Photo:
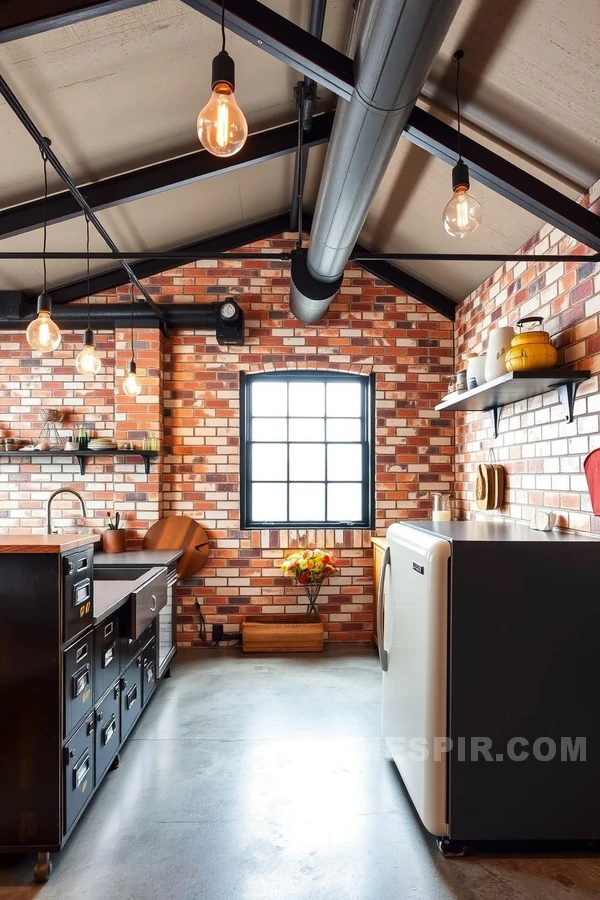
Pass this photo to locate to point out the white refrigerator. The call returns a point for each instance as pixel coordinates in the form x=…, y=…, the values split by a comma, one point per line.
x=413, y=651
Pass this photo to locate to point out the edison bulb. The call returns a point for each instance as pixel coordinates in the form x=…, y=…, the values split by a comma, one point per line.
x=88, y=361
x=462, y=214
x=132, y=385
x=43, y=333
x=222, y=126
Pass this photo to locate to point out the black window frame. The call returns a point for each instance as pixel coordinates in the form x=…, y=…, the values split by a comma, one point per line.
x=367, y=419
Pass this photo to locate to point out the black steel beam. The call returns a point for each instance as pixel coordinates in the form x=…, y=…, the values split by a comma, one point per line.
x=231, y=240
x=506, y=179
x=406, y=283
x=22, y=18
x=164, y=176
x=294, y=46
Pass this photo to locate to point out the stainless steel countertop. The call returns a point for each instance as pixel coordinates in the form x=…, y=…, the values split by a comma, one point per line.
x=137, y=558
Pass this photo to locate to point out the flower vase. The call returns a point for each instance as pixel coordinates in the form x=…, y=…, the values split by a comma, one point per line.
x=114, y=540
x=312, y=592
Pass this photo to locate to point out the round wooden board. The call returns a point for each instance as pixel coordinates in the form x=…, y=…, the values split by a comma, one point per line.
x=180, y=533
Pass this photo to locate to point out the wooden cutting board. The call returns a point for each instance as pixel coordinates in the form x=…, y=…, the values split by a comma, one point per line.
x=180, y=533
x=591, y=467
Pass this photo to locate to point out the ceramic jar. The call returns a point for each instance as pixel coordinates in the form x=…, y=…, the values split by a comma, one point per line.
x=531, y=349
x=498, y=346
x=114, y=540
x=476, y=371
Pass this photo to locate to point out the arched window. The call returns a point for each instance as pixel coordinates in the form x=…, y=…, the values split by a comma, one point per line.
x=307, y=445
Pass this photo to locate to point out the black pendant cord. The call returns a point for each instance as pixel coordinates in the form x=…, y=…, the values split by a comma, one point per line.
x=45, y=238
x=223, y=25
x=132, y=308
x=458, y=56
x=87, y=246
x=300, y=185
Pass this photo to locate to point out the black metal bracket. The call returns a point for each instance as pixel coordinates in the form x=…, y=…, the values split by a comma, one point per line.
x=566, y=395
x=495, y=413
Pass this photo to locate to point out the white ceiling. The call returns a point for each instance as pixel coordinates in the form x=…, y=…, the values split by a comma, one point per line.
x=124, y=90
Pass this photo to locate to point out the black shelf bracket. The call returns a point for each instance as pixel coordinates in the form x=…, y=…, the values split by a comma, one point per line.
x=566, y=395
x=495, y=413
x=81, y=460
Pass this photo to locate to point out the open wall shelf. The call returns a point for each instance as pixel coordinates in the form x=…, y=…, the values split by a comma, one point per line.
x=514, y=386
x=83, y=455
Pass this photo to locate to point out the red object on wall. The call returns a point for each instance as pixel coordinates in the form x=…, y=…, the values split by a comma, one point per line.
x=591, y=466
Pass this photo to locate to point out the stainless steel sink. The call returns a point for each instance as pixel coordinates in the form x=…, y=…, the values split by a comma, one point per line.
x=148, y=592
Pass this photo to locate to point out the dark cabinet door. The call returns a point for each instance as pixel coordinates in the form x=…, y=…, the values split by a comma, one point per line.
x=149, y=667
x=107, y=655
x=78, y=587
x=78, y=682
x=79, y=772
x=108, y=730
x=131, y=695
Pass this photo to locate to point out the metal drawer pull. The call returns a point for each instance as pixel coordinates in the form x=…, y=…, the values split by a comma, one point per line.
x=155, y=603
x=109, y=730
x=82, y=564
x=108, y=656
x=81, y=680
x=80, y=771
x=81, y=653
x=131, y=697
x=108, y=629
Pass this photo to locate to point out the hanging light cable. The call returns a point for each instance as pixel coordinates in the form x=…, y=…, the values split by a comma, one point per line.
x=43, y=333
x=88, y=361
x=131, y=384
x=462, y=214
x=222, y=127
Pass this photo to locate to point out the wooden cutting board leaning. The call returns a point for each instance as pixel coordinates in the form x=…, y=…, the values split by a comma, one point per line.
x=180, y=533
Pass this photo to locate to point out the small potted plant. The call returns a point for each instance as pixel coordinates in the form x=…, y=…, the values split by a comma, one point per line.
x=289, y=631
x=114, y=538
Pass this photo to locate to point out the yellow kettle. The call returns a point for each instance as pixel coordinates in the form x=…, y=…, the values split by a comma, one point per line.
x=531, y=349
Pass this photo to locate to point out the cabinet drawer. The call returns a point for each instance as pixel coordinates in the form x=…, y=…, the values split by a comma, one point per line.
x=107, y=654
x=146, y=603
x=78, y=682
x=78, y=587
x=131, y=695
x=79, y=772
x=149, y=667
x=108, y=730
x=132, y=647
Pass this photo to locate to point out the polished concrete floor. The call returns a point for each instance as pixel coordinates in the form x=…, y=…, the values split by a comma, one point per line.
x=251, y=778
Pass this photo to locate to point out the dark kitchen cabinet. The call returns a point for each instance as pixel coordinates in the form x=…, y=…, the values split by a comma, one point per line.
x=70, y=693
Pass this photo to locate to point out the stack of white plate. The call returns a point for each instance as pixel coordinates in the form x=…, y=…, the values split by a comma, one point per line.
x=101, y=444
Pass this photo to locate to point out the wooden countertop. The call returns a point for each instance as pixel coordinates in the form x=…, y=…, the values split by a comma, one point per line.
x=379, y=542
x=44, y=543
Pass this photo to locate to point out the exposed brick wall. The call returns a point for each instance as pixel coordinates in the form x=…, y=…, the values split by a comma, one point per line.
x=191, y=400
x=543, y=455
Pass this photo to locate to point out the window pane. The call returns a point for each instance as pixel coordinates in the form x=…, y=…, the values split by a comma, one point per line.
x=307, y=429
x=307, y=502
x=269, y=462
x=343, y=398
x=343, y=429
x=344, y=462
x=269, y=398
x=269, y=502
x=344, y=502
x=269, y=429
x=307, y=462
x=307, y=398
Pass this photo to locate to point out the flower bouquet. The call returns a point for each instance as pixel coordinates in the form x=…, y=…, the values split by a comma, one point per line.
x=310, y=568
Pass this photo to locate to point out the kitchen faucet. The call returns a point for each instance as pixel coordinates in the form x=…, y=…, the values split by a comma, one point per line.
x=49, y=505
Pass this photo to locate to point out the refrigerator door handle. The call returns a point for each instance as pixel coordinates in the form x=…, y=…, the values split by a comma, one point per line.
x=383, y=654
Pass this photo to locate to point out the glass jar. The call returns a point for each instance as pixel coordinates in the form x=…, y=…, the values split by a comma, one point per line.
x=441, y=511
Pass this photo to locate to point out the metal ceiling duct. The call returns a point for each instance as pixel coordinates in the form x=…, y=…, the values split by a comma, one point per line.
x=397, y=47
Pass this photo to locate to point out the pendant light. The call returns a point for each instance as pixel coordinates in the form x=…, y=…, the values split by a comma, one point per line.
x=131, y=384
x=88, y=361
x=221, y=125
x=43, y=333
x=462, y=214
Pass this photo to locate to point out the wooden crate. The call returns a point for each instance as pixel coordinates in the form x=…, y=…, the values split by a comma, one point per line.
x=282, y=633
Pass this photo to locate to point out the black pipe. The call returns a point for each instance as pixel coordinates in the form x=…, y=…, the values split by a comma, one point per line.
x=306, y=93
x=17, y=313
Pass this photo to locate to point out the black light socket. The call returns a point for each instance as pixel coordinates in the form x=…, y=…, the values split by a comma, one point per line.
x=132, y=367
x=223, y=70
x=460, y=176
x=44, y=303
x=88, y=337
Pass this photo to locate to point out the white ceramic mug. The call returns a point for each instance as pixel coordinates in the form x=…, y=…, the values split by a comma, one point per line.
x=476, y=371
x=498, y=347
